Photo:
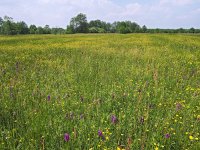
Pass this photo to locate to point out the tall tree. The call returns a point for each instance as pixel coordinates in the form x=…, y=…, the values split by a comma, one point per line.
x=22, y=28
x=79, y=23
x=33, y=29
x=8, y=26
x=40, y=30
x=144, y=29
x=47, y=29
x=192, y=30
x=70, y=29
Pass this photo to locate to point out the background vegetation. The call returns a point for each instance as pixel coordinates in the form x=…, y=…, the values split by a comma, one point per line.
x=79, y=24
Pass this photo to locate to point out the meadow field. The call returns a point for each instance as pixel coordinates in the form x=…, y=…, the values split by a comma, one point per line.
x=100, y=91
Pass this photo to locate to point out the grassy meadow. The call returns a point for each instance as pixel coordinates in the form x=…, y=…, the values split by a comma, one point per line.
x=105, y=91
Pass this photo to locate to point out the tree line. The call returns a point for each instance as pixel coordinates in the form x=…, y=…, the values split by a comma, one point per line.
x=79, y=24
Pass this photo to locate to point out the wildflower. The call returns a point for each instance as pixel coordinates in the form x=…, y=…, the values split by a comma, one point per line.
x=100, y=133
x=191, y=137
x=48, y=97
x=66, y=137
x=120, y=148
x=156, y=148
x=178, y=106
x=167, y=136
x=107, y=138
x=114, y=119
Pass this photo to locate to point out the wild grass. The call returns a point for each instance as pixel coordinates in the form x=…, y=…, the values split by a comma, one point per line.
x=52, y=85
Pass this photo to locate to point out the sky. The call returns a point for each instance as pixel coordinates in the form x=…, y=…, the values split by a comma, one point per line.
x=152, y=13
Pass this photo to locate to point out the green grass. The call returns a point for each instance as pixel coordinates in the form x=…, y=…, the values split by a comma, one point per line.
x=150, y=82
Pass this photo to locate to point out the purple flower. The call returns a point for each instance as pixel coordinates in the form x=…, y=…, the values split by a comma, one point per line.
x=66, y=137
x=100, y=133
x=114, y=119
x=167, y=136
x=48, y=97
x=178, y=106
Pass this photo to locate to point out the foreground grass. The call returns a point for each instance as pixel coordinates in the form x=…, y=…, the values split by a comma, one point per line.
x=52, y=85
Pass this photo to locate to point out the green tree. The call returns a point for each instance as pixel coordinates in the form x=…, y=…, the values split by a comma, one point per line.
x=70, y=29
x=144, y=29
x=79, y=24
x=192, y=30
x=99, y=26
x=47, y=29
x=57, y=31
x=123, y=27
x=40, y=30
x=180, y=30
x=22, y=28
x=8, y=26
x=93, y=30
x=33, y=29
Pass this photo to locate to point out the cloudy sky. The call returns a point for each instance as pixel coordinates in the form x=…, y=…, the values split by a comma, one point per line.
x=153, y=13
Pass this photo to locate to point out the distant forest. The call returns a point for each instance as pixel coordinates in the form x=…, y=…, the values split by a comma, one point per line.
x=79, y=24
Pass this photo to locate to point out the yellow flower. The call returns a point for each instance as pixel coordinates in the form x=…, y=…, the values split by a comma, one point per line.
x=156, y=148
x=191, y=137
x=119, y=148
x=107, y=138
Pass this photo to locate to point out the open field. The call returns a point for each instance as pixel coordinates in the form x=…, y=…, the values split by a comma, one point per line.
x=109, y=91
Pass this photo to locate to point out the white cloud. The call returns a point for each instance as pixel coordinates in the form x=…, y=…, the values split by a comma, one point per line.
x=161, y=13
x=176, y=2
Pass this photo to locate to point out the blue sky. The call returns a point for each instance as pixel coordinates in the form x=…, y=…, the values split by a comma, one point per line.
x=153, y=13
